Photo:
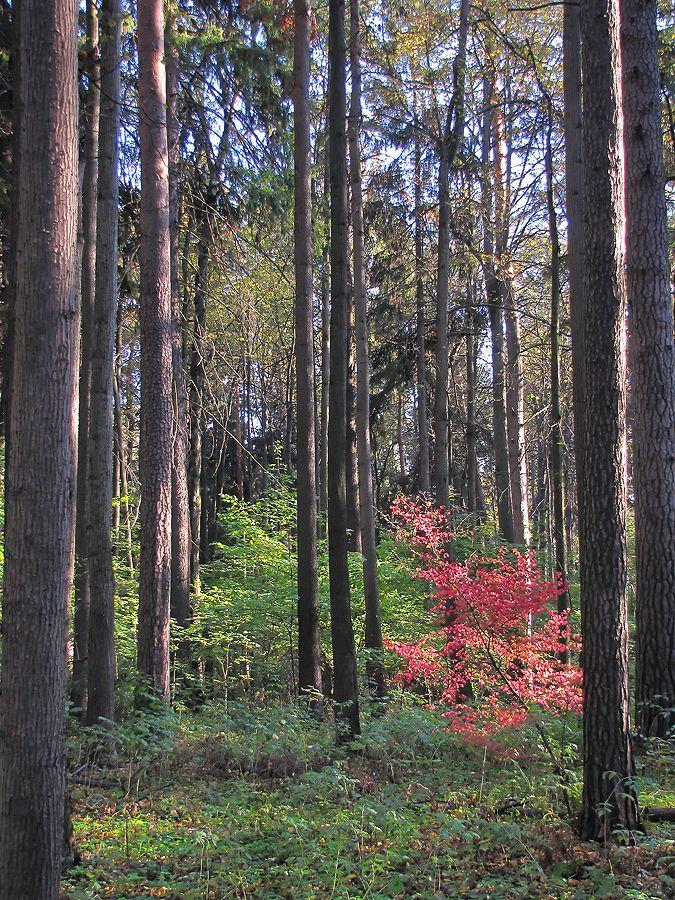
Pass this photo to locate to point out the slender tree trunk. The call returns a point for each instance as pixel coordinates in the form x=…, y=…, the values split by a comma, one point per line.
x=41, y=471
x=515, y=425
x=345, y=683
x=89, y=188
x=574, y=213
x=101, y=665
x=325, y=360
x=180, y=511
x=238, y=442
x=197, y=381
x=495, y=312
x=652, y=361
x=351, y=455
x=420, y=325
x=556, y=436
x=309, y=646
x=125, y=508
x=608, y=797
x=156, y=355
x=472, y=474
x=449, y=143
x=371, y=589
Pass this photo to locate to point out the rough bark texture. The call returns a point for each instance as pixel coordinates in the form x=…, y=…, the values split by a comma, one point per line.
x=371, y=589
x=309, y=647
x=345, y=684
x=156, y=357
x=89, y=187
x=101, y=663
x=325, y=359
x=41, y=471
x=608, y=799
x=652, y=362
x=180, y=511
x=574, y=213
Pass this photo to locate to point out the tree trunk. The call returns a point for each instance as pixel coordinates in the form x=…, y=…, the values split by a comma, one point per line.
x=495, y=313
x=156, y=355
x=472, y=474
x=556, y=436
x=125, y=509
x=180, y=511
x=420, y=325
x=89, y=188
x=325, y=360
x=449, y=143
x=351, y=455
x=345, y=685
x=309, y=646
x=101, y=666
x=373, y=642
x=41, y=470
x=574, y=213
x=608, y=797
x=652, y=362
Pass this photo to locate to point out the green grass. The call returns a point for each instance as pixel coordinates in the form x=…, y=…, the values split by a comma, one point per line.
x=255, y=801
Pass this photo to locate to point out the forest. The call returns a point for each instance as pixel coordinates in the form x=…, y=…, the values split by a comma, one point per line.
x=337, y=449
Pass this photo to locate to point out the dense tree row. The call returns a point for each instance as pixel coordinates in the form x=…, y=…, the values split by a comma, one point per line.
x=410, y=248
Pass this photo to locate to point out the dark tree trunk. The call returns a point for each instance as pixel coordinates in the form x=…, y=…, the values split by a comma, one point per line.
x=156, y=357
x=197, y=380
x=180, y=511
x=652, y=362
x=495, y=313
x=89, y=188
x=101, y=664
x=556, y=436
x=125, y=509
x=608, y=797
x=325, y=361
x=420, y=325
x=351, y=455
x=449, y=143
x=309, y=646
x=373, y=642
x=41, y=470
x=345, y=684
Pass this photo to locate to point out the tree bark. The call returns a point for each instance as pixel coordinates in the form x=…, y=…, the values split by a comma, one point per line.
x=180, y=511
x=420, y=324
x=373, y=642
x=325, y=358
x=652, y=362
x=608, y=797
x=156, y=356
x=101, y=664
x=345, y=683
x=41, y=471
x=89, y=189
x=309, y=646
x=495, y=313
x=449, y=143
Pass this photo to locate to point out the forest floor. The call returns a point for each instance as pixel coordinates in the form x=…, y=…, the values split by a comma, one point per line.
x=254, y=801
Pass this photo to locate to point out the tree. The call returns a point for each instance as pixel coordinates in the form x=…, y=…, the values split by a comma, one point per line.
x=449, y=143
x=365, y=463
x=608, y=797
x=345, y=683
x=309, y=647
x=180, y=511
x=652, y=369
x=101, y=648
x=41, y=470
x=156, y=355
x=91, y=117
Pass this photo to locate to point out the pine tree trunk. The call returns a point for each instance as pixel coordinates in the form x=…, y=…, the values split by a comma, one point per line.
x=101, y=665
x=652, y=362
x=608, y=797
x=556, y=437
x=41, y=470
x=309, y=646
x=345, y=683
x=371, y=589
x=180, y=511
x=89, y=188
x=156, y=356
x=325, y=360
x=420, y=325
